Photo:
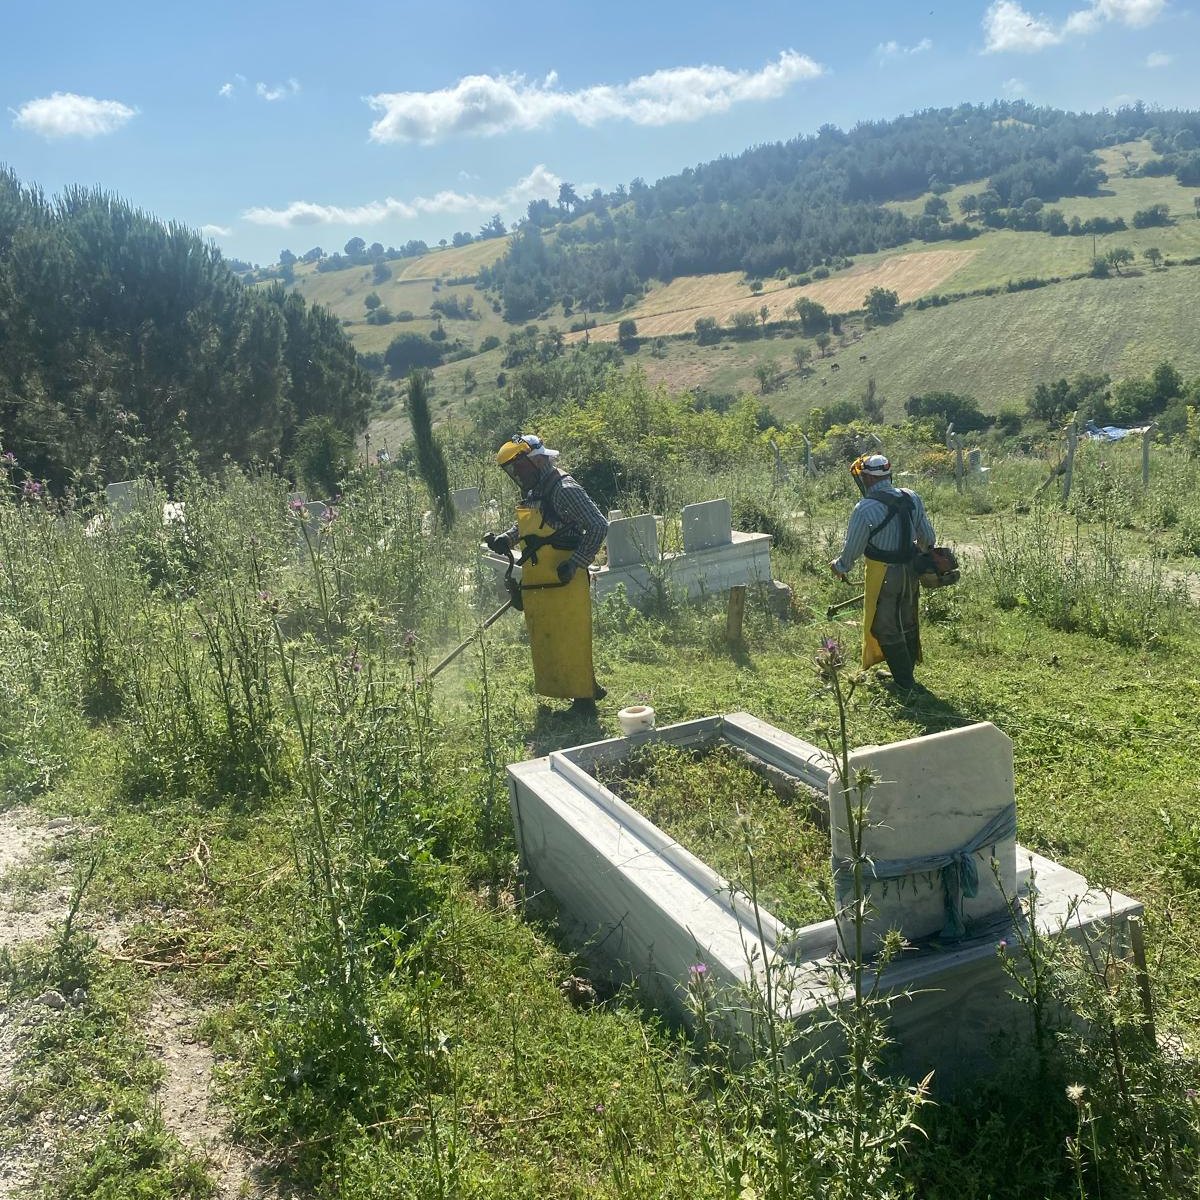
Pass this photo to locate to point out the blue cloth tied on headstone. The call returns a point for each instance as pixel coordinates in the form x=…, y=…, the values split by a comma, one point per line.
x=959, y=872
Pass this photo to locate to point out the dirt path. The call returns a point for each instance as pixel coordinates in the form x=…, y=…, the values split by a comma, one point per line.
x=25, y=914
x=36, y=898
x=189, y=1108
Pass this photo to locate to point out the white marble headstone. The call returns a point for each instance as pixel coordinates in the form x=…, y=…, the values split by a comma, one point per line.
x=123, y=496
x=632, y=541
x=707, y=524
x=934, y=794
x=465, y=500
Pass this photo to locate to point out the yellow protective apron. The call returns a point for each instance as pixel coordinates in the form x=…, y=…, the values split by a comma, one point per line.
x=872, y=583
x=872, y=652
x=557, y=618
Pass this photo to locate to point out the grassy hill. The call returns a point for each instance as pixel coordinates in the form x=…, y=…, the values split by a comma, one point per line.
x=995, y=348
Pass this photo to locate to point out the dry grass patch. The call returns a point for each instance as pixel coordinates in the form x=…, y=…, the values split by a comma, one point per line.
x=455, y=260
x=674, y=309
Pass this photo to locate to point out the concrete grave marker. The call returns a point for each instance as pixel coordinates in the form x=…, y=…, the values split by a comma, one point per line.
x=706, y=525
x=642, y=906
x=633, y=540
x=465, y=500
x=942, y=806
x=122, y=497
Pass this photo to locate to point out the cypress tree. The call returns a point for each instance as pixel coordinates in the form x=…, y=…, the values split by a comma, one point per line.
x=431, y=462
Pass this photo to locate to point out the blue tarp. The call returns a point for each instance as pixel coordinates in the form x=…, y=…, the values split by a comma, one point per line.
x=1108, y=433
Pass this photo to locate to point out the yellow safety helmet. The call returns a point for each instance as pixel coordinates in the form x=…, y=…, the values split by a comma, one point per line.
x=518, y=444
x=516, y=450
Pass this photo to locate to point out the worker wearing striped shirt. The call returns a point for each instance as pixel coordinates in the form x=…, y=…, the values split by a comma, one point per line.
x=887, y=526
x=564, y=502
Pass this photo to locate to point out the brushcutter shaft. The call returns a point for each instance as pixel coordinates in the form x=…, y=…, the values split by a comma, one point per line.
x=844, y=604
x=464, y=644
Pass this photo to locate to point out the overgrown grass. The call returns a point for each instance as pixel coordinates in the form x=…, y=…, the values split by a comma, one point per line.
x=715, y=805
x=315, y=845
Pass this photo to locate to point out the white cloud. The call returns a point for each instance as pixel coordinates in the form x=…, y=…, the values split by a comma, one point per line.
x=1009, y=27
x=215, y=231
x=886, y=51
x=1157, y=59
x=490, y=104
x=65, y=114
x=1015, y=87
x=226, y=89
x=278, y=91
x=540, y=183
x=1135, y=13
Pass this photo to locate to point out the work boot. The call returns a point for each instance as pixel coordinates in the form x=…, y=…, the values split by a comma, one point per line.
x=600, y=692
x=900, y=663
x=913, y=642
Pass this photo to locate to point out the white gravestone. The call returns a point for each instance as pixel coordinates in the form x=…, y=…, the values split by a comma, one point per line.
x=122, y=497
x=706, y=525
x=465, y=500
x=944, y=806
x=633, y=540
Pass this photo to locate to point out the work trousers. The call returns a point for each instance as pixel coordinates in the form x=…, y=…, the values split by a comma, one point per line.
x=896, y=608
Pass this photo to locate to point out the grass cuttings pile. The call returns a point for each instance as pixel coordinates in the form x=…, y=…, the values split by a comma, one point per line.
x=713, y=803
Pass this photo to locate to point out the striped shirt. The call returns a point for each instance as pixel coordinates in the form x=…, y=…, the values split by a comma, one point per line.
x=576, y=511
x=869, y=514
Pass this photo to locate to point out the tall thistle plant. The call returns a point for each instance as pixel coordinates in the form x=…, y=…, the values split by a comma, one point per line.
x=431, y=461
x=878, y=1114
x=803, y=1123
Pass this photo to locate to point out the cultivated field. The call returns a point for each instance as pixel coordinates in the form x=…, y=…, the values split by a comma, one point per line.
x=675, y=308
x=994, y=348
x=344, y=293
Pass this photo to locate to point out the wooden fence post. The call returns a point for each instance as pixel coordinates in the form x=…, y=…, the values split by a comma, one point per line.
x=808, y=462
x=737, y=610
x=954, y=442
x=1068, y=471
x=1146, y=436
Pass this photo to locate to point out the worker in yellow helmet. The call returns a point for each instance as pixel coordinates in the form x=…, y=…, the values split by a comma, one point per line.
x=559, y=531
x=888, y=527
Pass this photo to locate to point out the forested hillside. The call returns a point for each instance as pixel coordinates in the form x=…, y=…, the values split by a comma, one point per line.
x=128, y=346
x=794, y=206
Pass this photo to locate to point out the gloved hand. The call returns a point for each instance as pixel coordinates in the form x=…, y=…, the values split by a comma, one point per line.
x=566, y=571
x=497, y=543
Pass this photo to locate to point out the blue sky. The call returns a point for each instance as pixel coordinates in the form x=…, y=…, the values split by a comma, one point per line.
x=270, y=124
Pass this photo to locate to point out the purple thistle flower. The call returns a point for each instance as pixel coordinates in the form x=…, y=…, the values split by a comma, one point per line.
x=296, y=505
x=698, y=970
x=329, y=514
x=8, y=460
x=31, y=489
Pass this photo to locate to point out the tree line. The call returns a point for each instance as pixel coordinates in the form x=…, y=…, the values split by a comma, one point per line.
x=127, y=345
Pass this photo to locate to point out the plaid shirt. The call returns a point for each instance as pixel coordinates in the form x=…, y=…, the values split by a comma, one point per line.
x=869, y=514
x=575, y=509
